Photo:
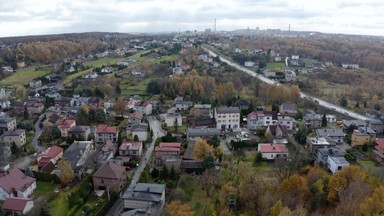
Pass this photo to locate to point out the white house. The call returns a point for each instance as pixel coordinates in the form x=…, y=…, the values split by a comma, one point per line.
x=18, y=205
x=228, y=118
x=336, y=163
x=172, y=118
x=256, y=119
x=183, y=105
x=144, y=107
x=14, y=183
x=289, y=122
x=249, y=64
x=270, y=151
x=331, y=118
x=107, y=70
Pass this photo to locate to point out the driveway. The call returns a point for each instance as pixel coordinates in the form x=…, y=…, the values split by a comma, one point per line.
x=35, y=139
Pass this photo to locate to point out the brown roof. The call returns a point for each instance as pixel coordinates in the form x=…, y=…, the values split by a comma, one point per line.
x=105, y=129
x=111, y=171
x=136, y=115
x=15, y=203
x=15, y=179
x=53, y=151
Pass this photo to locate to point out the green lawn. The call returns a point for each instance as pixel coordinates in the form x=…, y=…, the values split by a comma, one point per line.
x=367, y=164
x=138, y=89
x=71, y=77
x=59, y=206
x=22, y=77
x=104, y=61
x=44, y=188
x=278, y=66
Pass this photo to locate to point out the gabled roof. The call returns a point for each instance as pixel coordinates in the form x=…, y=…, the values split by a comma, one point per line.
x=15, y=179
x=111, y=171
x=289, y=106
x=48, y=168
x=380, y=145
x=330, y=132
x=53, y=151
x=222, y=110
x=128, y=145
x=137, y=115
x=65, y=122
x=17, y=132
x=78, y=129
x=105, y=129
x=272, y=148
x=15, y=204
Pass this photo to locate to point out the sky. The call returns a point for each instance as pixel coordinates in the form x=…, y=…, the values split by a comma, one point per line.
x=35, y=17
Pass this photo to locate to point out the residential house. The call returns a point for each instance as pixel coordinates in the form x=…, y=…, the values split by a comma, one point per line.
x=378, y=151
x=269, y=73
x=289, y=75
x=350, y=66
x=138, y=129
x=14, y=183
x=376, y=125
x=91, y=75
x=249, y=64
x=277, y=131
x=18, y=205
x=51, y=154
x=77, y=154
x=243, y=104
x=34, y=107
x=362, y=136
x=312, y=121
x=199, y=133
x=145, y=196
x=183, y=105
x=110, y=176
x=18, y=107
x=51, y=119
x=35, y=84
x=257, y=119
x=14, y=136
x=7, y=69
x=167, y=150
x=95, y=103
x=287, y=121
x=336, y=163
x=331, y=118
x=172, y=119
x=270, y=151
x=33, y=94
x=203, y=122
x=135, y=117
x=323, y=153
x=131, y=149
x=227, y=118
x=144, y=107
x=288, y=108
x=107, y=152
x=63, y=102
x=335, y=136
x=79, y=132
x=109, y=103
x=64, y=125
x=315, y=143
x=107, y=70
x=7, y=123
x=202, y=110
x=105, y=133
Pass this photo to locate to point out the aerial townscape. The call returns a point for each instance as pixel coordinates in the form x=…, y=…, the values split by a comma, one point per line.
x=245, y=122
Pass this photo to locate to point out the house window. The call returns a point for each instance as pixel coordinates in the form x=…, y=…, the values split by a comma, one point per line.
x=339, y=167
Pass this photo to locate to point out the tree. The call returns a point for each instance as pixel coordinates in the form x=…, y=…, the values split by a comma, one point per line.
x=201, y=150
x=376, y=107
x=15, y=150
x=343, y=102
x=324, y=121
x=172, y=174
x=209, y=161
x=294, y=93
x=258, y=158
x=176, y=208
x=208, y=180
x=135, y=138
x=66, y=172
x=276, y=209
x=155, y=173
x=373, y=205
x=55, y=132
x=275, y=108
x=163, y=173
x=176, y=125
x=215, y=141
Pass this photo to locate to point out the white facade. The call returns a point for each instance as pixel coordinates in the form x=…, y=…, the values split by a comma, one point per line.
x=228, y=118
x=145, y=109
x=331, y=118
x=249, y=64
x=171, y=118
x=24, y=194
x=141, y=134
x=289, y=122
x=335, y=164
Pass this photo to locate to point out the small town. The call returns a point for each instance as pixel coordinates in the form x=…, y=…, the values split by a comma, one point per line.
x=246, y=122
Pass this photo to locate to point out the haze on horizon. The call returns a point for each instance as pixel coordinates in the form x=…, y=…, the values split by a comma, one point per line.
x=19, y=18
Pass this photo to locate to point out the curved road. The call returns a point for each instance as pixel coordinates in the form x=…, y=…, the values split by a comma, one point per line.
x=302, y=95
x=35, y=139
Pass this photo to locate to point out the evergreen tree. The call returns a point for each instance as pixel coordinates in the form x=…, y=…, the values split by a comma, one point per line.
x=172, y=174
x=324, y=121
x=163, y=173
x=155, y=173
x=135, y=138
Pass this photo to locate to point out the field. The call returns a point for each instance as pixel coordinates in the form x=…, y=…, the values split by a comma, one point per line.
x=277, y=66
x=22, y=77
x=59, y=206
x=71, y=77
x=44, y=188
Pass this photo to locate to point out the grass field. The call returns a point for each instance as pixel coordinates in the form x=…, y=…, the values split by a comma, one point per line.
x=44, y=188
x=71, y=77
x=138, y=89
x=22, y=77
x=278, y=66
x=59, y=206
x=103, y=61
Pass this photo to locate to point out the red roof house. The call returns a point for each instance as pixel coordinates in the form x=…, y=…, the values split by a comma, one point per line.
x=378, y=151
x=52, y=154
x=105, y=133
x=166, y=150
x=18, y=205
x=13, y=183
x=64, y=125
x=271, y=151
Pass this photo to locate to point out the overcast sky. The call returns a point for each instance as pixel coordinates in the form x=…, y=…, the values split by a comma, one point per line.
x=34, y=17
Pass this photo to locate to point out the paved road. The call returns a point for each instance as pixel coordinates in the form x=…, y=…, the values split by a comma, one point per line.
x=155, y=125
x=302, y=95
x=35, y=139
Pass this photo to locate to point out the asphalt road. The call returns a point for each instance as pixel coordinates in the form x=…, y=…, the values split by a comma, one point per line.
x=155, y=125
x=35, y=139
x=302, y=95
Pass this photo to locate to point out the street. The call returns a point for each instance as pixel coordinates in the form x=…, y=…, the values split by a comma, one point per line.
x=35, y=139
x=320, y=102
x=155, y=125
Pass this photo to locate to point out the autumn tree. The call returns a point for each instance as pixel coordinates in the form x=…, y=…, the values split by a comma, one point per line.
x=294, y=191
x=294, y=92
x=201, y=150
x=341, y=180
x=373, y=205
x=209, y=180
x=176, y=208
x=66, y=172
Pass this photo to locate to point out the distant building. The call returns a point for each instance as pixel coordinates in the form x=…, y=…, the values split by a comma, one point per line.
x=7, y=123
x=14, y=136
x=256, y=119
x=167, y=150
x=336, y=163
x=335, y=136
x=131, y=149
x=105, y=133
x=18, y=205
x=228, y=118
x=171, y=119
x=270, y=151
x=315, y=143
x=111, y=176
x=77, y=154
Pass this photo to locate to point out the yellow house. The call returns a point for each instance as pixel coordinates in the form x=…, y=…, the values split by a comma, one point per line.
x=359, y=138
